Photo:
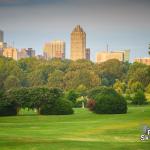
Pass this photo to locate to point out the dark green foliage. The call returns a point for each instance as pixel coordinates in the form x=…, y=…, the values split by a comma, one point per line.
x=55, y=104
x=139, y=98
x=107, y=101
x=62, y=107
x=111, y=70
x=7, y=108
x=46, y=101
x=20, y=96
x=72, y=96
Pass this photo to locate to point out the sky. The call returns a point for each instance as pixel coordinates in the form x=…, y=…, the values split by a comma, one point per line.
x=122, y=24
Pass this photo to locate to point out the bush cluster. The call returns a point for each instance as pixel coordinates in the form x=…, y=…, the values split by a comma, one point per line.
x=46, y=101
x=107, y=101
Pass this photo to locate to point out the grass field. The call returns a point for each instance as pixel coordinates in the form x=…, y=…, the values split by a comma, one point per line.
x=81, y=131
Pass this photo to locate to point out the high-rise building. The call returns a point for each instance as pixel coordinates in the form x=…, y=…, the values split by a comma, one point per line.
x=10, y=53
x=88, y=53
x=1, y=36
x=145, y=61
x=54, y=49
x=2, y=44
x=78, y=43
x=119, y=55
x=26, y=53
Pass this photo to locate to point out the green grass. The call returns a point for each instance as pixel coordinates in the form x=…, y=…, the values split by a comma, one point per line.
x=81, y=131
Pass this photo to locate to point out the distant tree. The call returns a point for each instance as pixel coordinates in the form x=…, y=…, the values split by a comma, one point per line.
x=135, y=86
x=139, y=98
x=120, y=87
x=111, y=70
x=72, y=96
x=55, y=79
x=148, y=89
x=12, y=82
x=86, y=78
x=139, y=73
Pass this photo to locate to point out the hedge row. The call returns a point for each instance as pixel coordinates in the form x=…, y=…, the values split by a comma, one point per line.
x=46, y=101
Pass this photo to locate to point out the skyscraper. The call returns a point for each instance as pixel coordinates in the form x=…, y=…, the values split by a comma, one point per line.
x=1, y=36
x=78, y=43
x=54, y=49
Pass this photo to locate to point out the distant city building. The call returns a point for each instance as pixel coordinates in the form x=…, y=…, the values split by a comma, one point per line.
x=145, y=61
x=119, y=55
x=88, y=53
x=26, y=53
x=54, y=49
x=1, y=36
x=78, y=43
x=10, y=53
x=2, y=43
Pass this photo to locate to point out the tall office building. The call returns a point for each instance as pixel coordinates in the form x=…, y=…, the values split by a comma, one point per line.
x=119, y=55
x=2, y=43
x=1, y=36
x=54, y=49
x=78, y=43
x=10, y=53
x=26, y=53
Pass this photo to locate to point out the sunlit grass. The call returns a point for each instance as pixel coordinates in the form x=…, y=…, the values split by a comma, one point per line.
x=82, y=131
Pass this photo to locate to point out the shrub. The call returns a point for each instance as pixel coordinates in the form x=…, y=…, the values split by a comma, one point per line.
x=7, y=108
x=108, y=101
x=90, y=104
x=62, y=107
x=55, y=104
x=72, y=96
x=139, y=98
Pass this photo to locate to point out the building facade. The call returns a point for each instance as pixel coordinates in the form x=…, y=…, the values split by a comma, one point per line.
x=2, y=43
x=1, y=36
x=119, y=55
x=26, y=53
x=145, y=61
x=54, y=49
x=78, y=43
x=10, y=53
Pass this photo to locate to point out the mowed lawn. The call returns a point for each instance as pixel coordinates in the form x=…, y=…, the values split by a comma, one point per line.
x=81, y=131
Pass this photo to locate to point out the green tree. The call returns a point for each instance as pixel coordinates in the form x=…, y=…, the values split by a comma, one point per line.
x=55, y=79
x=139, y=73
x=12, y=82
x=120, y=87
x=111, y=70
x=139, y=98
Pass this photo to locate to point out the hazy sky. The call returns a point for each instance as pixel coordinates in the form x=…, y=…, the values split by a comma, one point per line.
x=123, y=24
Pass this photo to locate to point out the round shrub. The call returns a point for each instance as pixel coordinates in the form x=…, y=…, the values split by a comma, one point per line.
x=107, y=101
x=62, y=107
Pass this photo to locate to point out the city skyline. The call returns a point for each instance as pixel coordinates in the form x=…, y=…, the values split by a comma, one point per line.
x=120, y=24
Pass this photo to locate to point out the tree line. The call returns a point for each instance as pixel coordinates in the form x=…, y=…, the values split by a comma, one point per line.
x=75, y=78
